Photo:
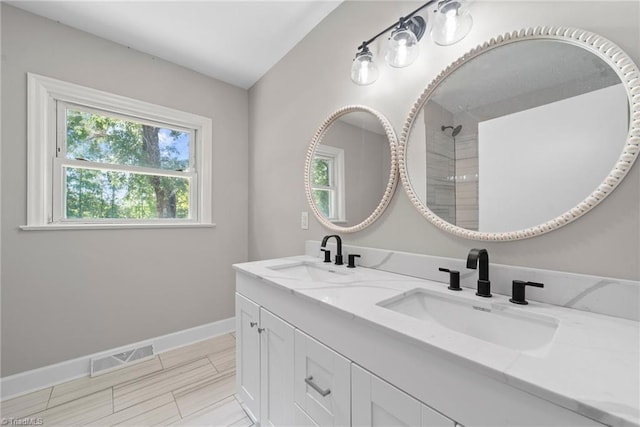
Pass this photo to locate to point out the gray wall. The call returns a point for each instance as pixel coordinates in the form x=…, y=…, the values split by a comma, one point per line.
x=71, y=293
x=312, y=81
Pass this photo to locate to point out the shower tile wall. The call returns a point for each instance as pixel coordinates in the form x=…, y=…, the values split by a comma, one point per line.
x=452, y=166
x=441, y=167
x=466, y=154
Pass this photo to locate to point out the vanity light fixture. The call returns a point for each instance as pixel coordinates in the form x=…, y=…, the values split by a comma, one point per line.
x=403, y=46
x=452, y=23
x=363, y=70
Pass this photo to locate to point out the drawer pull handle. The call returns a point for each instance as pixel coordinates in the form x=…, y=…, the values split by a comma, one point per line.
x=261, y=330
x=252, y=324
x=310, y=383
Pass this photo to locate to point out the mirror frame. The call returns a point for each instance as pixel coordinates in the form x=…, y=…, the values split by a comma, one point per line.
x=393, y=173
x=615, y=57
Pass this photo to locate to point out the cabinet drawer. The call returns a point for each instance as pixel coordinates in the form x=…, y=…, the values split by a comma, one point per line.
x=322, y=382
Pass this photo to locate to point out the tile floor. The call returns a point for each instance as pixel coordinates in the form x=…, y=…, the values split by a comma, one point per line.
x=188, y=386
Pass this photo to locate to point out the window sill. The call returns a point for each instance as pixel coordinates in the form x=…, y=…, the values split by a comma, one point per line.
x=54, y=227
x=339, y=221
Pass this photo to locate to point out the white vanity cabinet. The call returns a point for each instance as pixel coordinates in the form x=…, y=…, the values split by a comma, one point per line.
x=375, y=402
x=287, y=378
x=368, y=375
x=265, y=345
x=275, y=361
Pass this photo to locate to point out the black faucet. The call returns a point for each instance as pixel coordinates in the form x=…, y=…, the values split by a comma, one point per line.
x=484, y=285
x=339, y=245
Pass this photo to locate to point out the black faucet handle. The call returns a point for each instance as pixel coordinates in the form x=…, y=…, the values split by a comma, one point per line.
x=352, y=260
x=327, y=254
x=454, y=279
x=517, y=290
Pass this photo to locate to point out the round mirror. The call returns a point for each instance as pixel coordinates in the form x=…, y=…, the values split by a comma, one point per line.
x=522, y=135
x=351, y=168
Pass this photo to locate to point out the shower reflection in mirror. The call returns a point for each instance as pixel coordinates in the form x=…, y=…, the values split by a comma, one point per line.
x=452, y=175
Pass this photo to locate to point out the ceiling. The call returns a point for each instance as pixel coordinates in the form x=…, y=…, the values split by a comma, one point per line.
x=522, y=75
x=233, y=41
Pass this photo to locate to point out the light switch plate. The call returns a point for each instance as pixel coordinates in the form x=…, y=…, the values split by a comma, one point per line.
x=304, y=220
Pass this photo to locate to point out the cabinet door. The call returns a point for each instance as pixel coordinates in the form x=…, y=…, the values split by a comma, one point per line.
x=322, y=383
x=276, y=371
x=377, y=403
x=301, y=419
x=248, y=354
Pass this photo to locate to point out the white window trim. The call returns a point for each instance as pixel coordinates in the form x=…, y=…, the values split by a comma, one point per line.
x=43, y=92
x=337, y=155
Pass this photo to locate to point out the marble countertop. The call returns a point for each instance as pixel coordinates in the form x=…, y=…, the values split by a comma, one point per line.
x=591, y=366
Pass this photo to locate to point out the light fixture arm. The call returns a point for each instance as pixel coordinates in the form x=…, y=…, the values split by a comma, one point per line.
x=395, y=24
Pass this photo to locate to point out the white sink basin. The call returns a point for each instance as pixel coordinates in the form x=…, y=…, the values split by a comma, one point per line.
x=495, y=323
x=309, y=271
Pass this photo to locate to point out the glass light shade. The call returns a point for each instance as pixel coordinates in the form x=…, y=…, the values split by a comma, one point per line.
x=363, y=70
x=403, y=48
x=452, y=23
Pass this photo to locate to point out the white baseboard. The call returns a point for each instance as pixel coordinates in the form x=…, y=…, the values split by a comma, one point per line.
x=47, y=376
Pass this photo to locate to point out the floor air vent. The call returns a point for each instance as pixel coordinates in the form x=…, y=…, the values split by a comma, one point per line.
x=120, y=360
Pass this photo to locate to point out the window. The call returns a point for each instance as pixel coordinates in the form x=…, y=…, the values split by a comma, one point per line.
x=98, y=159
x=327, y=182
